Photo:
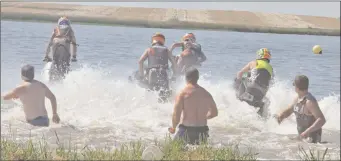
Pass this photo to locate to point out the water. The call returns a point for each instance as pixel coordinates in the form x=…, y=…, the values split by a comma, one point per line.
x=103, y=108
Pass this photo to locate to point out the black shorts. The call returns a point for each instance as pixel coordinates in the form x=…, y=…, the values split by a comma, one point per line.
x=192, y=135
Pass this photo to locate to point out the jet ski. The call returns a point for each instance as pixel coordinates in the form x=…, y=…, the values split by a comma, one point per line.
x=141, y=81
x=145, y=82
x=244, y=96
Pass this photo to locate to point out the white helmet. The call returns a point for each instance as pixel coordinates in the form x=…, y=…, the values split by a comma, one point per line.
x=63, y=22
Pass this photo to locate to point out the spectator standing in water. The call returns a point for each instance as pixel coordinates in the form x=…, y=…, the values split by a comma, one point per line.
x=309, y=116
x=197, y=106
x=32, y=94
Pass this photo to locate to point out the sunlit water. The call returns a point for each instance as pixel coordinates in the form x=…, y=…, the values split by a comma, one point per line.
x=98, y=106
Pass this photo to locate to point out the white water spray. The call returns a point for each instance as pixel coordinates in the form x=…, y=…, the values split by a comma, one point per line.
x=92, y=99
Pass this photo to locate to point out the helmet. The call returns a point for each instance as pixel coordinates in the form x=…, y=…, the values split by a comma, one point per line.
x=317, y=49
x=158, y=37
x=63, y=21
x=189, y=36
x=263, y=53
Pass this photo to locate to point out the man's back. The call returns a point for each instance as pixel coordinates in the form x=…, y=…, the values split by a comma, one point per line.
x=197, y=103
x=32, y=95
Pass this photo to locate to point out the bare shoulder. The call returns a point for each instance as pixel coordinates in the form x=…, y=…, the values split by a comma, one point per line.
x=205, y=91
x=145, y=53
x=40, y=83
x=253, y=63
x=147, y=50
x=311, y=103
x=295, y=98
x=313, y=108
x=182, y=93
x=20, y=87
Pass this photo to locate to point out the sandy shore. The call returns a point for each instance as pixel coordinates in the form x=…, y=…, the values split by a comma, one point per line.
x=242, y=21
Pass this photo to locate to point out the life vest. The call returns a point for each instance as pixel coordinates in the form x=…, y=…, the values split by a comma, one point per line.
x=189, y=57
x=158, y=56
x=62, y=31
x=303, y=120
x=60, y=46
x=262, y=73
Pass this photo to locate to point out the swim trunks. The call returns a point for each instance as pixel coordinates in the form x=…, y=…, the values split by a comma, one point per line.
x=40, y=121
x=192, y=135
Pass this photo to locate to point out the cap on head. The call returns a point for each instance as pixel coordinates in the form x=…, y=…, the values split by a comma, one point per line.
x=301, y=82
x=192, y=75
x=27, y=72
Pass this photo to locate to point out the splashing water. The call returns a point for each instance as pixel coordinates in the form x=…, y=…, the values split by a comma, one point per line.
x=103, y=107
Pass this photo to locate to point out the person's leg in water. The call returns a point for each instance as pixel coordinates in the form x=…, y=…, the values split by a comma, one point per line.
x=40, y=121
x=192, y=135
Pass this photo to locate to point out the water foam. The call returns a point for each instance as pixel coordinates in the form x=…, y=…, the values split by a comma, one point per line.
x=93, y=98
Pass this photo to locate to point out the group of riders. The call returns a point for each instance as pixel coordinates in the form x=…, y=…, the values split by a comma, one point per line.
x=251, y=83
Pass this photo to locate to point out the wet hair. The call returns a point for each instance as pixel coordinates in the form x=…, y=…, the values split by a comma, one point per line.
x=27, y=73
x=192, y=75
x=301, y=82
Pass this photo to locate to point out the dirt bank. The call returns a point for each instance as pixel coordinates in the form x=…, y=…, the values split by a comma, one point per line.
x=174, y=18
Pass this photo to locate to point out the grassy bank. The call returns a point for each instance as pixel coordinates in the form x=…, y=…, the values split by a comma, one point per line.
x=40, y=150
x=173, y=18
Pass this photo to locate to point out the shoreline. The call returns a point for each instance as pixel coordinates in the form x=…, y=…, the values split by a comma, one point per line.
x=173, y=18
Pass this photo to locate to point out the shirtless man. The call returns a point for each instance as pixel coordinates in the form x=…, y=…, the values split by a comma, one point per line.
x=32, y=94
x=308, y=114
x=196, y=106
